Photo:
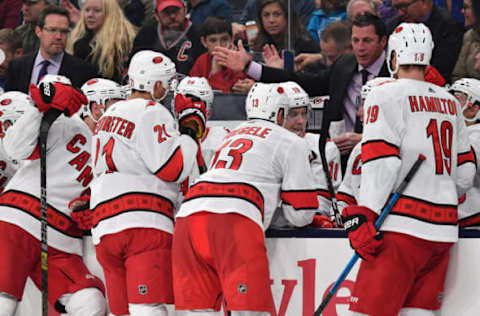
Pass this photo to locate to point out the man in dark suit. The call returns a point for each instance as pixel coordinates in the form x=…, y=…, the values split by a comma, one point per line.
x=52, y=29
x=342, y=80
x=447, y=33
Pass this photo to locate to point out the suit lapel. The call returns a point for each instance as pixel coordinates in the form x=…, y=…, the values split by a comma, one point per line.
x=27, y=71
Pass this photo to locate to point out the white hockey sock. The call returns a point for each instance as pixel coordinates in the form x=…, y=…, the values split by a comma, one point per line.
x=8, y=304
x=147, y=310
x=415, y=312
x=86, y=302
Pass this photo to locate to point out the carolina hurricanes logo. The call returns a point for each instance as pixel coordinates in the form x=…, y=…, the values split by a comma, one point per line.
x=6, y=102
x=280, y=90
x=157, y=60
x=399, y=29
x=92, y=82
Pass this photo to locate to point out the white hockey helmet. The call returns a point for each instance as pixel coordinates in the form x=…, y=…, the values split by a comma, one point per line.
x=197, y=87
x=147, y=67
x=12, y=105
x=412, y=44
x=471, y=88
x=100, y=91
x=370, y=84
x=297, y=97
x=54, y=78
x=264, y=101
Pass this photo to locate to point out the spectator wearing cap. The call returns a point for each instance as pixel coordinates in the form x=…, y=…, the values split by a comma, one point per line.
x=200, y=10
x=11, y=47
x=171, y=34
x=52, y=31
x=31, y=10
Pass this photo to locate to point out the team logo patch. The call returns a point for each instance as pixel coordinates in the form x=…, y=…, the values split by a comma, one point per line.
x=242, y=288
x=157, y=60
x=399, y=29
x=280, y=90
x=6, y=102
x=93, y=81
x=142, y=289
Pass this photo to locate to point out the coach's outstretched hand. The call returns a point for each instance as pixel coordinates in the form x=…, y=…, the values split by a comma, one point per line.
x=59, y=96
x=359, y=221
x=233, y=59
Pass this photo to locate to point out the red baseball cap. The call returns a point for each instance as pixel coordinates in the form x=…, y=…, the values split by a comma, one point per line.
x=162, y=4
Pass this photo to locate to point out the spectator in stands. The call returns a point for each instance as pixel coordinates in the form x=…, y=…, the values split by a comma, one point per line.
x=304, y=9
x=385, y=9
x=103, y=37
x=273, y=15
x=216, y=32
x=10, y=13
x=447, y=33
x=52, y=31
x=172, y=34
x=200, y=10
x=11, y=44
x=328, y=12
x=31, y=10
x=360, y=7
x=465, y=66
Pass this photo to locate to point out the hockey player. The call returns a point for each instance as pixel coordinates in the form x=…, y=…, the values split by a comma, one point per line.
x=349, y=189
x=219, y=243
x=8, y=167
x=193, y=100
x=140, y=159
x=71, y=287
x=296, y=122
x=467, y=92
x=403, y=119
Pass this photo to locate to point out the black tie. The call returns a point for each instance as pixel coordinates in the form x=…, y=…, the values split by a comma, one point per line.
x=358, y=124
x=43, y=70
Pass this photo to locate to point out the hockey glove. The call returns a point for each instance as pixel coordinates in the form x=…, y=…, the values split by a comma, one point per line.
x=81, y=213
x=359, y=221
x=322, y=221
x=191, y=113
x=59, y=96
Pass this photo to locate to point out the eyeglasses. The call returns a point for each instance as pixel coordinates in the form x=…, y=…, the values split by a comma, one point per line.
x=54, y=30
x=404, y=6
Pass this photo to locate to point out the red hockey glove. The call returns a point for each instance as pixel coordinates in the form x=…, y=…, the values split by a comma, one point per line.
x=81, y=213
x=359, y=221
x=433, y=76
x=57, y=95
x=191, y=114
x=322, y=221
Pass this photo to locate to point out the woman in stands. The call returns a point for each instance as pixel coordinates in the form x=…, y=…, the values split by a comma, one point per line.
x=104, y=37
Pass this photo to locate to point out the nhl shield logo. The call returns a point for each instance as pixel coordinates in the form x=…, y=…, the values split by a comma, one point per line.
x=242, y=288
x=142, y=289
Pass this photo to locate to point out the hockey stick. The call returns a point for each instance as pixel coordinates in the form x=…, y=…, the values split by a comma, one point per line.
x=386, y=210
x=47, y=120
x=289, y=54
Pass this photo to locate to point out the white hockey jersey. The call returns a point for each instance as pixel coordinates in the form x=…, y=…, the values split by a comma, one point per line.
x=403, y=119
x=258, y=165
x=8, y=167
x=469, y=207
x=349, y=189
x=332, y=154
x=140, y=159
x=68, y=175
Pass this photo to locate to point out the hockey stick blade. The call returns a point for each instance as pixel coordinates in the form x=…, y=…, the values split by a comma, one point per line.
x=378, y=223
x=48, y=118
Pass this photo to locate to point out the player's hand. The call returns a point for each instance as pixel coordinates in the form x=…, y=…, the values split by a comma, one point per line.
x=233, y=59
x=73, y=12
x=359, y=221
x=322, y=221
x=59, y=96
x=306, y=59
x=81, y=213
x=347, y=141
x=271, y=57
x=191, y=116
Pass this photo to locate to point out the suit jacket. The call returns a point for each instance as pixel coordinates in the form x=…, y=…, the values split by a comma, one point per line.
x=20, y=72
x=447, y=36
x=333, y=81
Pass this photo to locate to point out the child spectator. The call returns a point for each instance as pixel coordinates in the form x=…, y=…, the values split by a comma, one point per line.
x=215, y=32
